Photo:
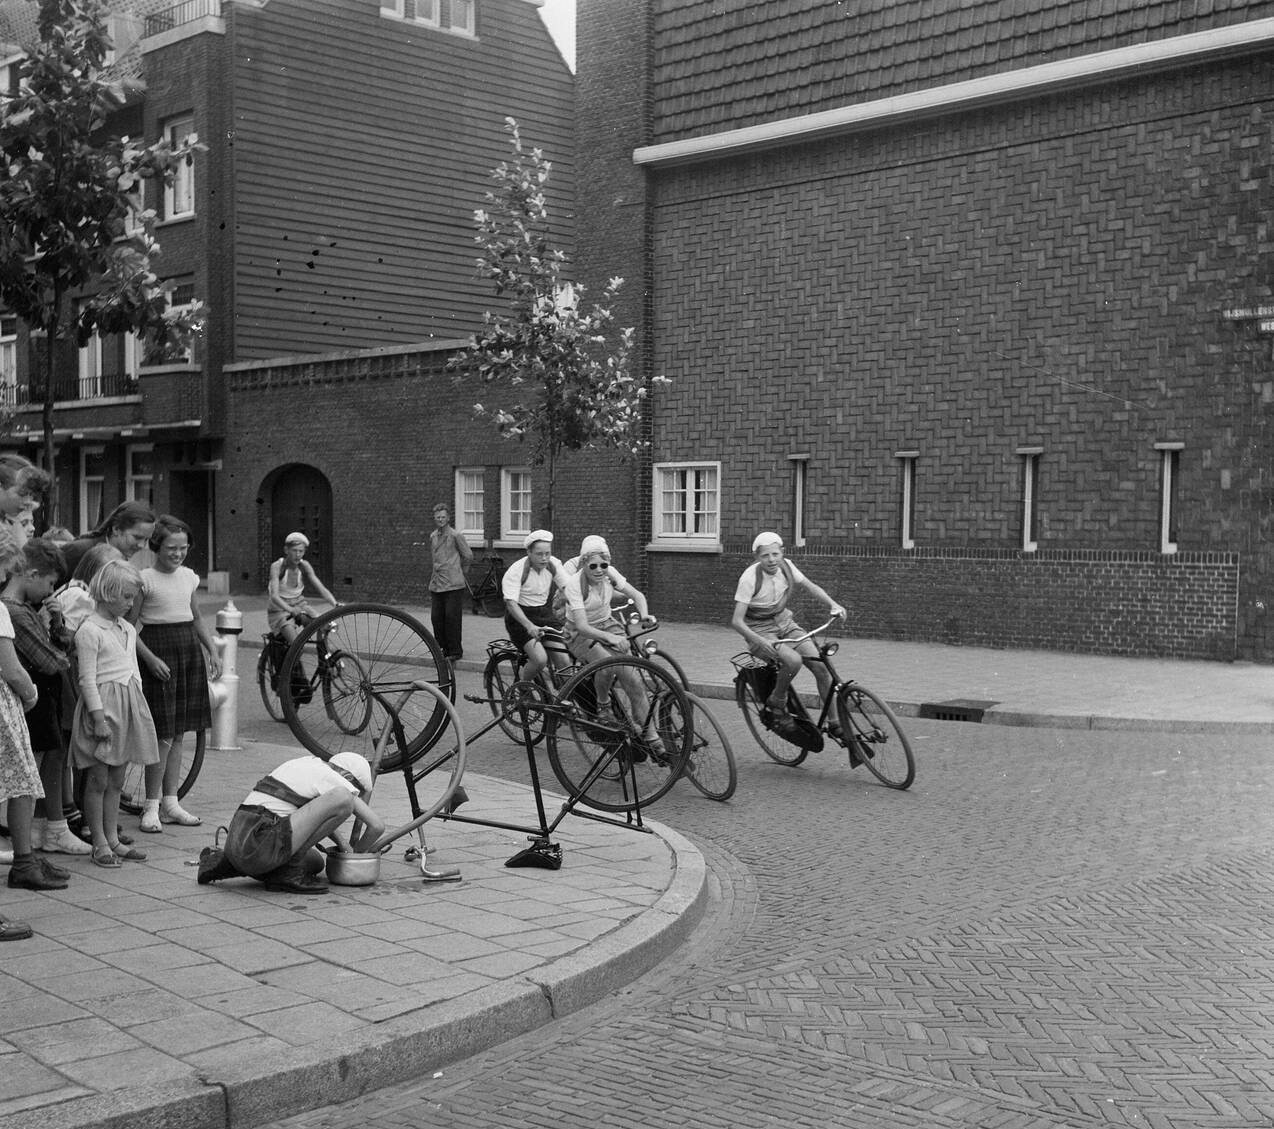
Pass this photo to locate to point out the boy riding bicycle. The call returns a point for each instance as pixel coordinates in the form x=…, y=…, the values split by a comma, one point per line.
x=762, y=617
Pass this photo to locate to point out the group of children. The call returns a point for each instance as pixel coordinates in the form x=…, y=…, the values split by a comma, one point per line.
x=80, y=687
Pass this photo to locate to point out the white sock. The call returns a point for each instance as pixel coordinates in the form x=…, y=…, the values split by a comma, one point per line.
x=150, y=807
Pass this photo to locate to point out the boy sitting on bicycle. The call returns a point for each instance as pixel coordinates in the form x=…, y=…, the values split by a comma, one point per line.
x=528, y=586
x=761, y=616
x=289, y=576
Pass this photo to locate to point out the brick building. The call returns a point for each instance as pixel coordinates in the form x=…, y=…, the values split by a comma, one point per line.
x=970, y=300
x=328, y=227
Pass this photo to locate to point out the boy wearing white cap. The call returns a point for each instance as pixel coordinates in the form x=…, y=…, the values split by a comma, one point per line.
x=761, y=616
x=289, y=576
x=527, y=587
x=276, y=829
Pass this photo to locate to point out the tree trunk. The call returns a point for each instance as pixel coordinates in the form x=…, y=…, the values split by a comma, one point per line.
x=50, y=450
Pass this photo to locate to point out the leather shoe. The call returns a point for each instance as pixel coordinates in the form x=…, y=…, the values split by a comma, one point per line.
x=32, y=877
x=14, y=930
x=214, y=866
x=292, y=879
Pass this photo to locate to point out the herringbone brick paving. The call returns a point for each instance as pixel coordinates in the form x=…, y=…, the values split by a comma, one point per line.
x=1050, y=930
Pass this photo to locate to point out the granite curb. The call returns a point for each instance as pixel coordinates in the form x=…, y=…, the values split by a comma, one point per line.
x=252, y=1092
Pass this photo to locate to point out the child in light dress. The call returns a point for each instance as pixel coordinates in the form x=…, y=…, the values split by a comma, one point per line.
x=112, y=726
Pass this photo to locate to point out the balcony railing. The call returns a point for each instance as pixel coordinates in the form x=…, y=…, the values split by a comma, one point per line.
x=81, y=388
x=178, y=14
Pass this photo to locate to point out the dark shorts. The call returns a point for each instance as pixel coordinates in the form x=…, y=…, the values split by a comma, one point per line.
x=258, y=840
x=542, y=617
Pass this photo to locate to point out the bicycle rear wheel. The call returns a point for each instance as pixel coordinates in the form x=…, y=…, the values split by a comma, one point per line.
x=628, y=751
x=498, y=679
x=750, y=702
x=132, y=795
x=872, y=733
x=267, y=682
x=390, y=652
x=710, y=766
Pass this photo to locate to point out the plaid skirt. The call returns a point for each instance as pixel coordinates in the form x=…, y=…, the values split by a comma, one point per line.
x=179, y=705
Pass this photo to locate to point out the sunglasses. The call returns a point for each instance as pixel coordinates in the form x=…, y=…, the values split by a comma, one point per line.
x=597, y=566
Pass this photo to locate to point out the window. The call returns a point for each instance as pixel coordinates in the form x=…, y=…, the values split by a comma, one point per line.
x=515, y=503
x=92, y=475
x=1030, y=497
x=136, y=205
x=179, y=196
x=181, y=298
x=90, y=385
x=456, y=16
x=469, y=509
x=8, y=361
x=10, y=69
x=686, y=506
x=139, y=482
x=800, y=478
x=1169, y=471
x=907, y=499
x=460, y=17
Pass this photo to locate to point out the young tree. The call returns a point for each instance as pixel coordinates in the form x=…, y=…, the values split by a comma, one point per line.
x=68, y=199
x=572, y=388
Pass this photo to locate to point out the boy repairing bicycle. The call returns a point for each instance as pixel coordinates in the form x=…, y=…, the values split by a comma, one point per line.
x=762, y=617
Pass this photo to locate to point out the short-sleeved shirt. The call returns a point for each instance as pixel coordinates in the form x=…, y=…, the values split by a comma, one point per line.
x=596, y=606
x=308, y=777
x=166, y=595
x=772, y=588
x=537, y=589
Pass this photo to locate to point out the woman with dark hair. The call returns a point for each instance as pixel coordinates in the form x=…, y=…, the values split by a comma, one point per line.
x=128, y=527
x=21, y=484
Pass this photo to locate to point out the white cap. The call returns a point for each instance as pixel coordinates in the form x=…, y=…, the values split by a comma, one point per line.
x=357, y=767
x=536, y=535
x=593, y=544
x=767, y=538
x=297, y=538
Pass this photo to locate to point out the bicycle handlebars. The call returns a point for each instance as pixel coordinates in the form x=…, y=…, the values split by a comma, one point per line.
x=808, y=634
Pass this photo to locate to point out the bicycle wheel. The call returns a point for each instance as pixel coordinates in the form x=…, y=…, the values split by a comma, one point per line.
x=604, y=755
x=774, y=747
x=267, y=682
x=393, y=651
x=710, y=766
x=672, y=664
x=872, y=732
x=345, y=696
x=132, y=795
x=498, y=679
x=493, y=602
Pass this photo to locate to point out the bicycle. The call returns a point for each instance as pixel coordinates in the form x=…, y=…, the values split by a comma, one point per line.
x=336, y=677
x=132, y=794
x=486, y=597
x=868, y=728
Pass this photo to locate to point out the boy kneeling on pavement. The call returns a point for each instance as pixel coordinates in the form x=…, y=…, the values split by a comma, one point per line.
x=275, y=833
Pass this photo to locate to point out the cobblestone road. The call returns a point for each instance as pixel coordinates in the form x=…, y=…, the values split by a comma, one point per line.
x=1052, y=929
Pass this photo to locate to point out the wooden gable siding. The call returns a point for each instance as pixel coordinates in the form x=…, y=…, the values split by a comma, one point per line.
x=720, y=64
x=362, y=147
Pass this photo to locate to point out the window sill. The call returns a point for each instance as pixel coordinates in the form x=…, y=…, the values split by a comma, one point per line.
x=683, y=545
x=169, y=221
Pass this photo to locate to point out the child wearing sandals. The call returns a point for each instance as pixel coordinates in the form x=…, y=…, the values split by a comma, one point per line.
x=19, y=774
x=177, y=659
x=112, y=726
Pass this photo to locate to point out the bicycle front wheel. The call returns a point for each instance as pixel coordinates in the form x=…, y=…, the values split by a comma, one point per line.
x=267, y=683
x=774, y=747
x=873, y=736
x=370, y=658
x=619, y=733
x=498, y=679
x=710, y=766
x=132, y=794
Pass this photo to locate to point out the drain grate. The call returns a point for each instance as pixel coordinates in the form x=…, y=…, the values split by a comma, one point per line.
x=958, y=709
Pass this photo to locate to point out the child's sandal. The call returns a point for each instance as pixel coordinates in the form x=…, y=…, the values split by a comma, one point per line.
x=133, y=854
x=104, y=856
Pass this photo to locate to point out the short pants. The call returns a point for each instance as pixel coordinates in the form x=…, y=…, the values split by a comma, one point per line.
x=258, y=840
x=542, y=617
x=781, y=626
x=586, y=649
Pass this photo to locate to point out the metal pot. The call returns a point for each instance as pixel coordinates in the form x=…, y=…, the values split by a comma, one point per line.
x=352, y=869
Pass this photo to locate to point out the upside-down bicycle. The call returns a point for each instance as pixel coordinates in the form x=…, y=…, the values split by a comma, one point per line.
x=864, y=724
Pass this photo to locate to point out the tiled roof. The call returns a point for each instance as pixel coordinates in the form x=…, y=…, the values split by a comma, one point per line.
x=725, y=64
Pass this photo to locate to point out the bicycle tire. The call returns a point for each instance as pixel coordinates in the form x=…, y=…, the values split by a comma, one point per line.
x=493, y=604
x=872, y=733
x=344, y=699
x=498, y=679
x=774, y=747
x=581, y=739
x=267, y=681
x=132, y=793
x=711, y=766
x=394, y=650
x=661, y=656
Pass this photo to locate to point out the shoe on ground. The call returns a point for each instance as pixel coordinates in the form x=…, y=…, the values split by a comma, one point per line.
x=105, y=857
x=127, y=840
x=178, y=815
x=14, y=930
x=124, y=851
x=65, y=842
x=150, y=823
x=51, y=870
x=292, y=879
x=214, y=866
x=31, y=876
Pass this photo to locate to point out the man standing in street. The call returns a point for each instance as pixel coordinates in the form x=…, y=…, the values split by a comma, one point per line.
x=451, y=555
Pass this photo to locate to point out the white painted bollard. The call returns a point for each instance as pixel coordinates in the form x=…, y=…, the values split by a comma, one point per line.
x=223, y=692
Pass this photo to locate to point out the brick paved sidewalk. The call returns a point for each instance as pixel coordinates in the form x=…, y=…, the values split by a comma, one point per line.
x=1045, y=688
x=145, y=999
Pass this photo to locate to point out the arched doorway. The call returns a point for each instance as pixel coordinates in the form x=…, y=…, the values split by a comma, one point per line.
x=301, y=499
